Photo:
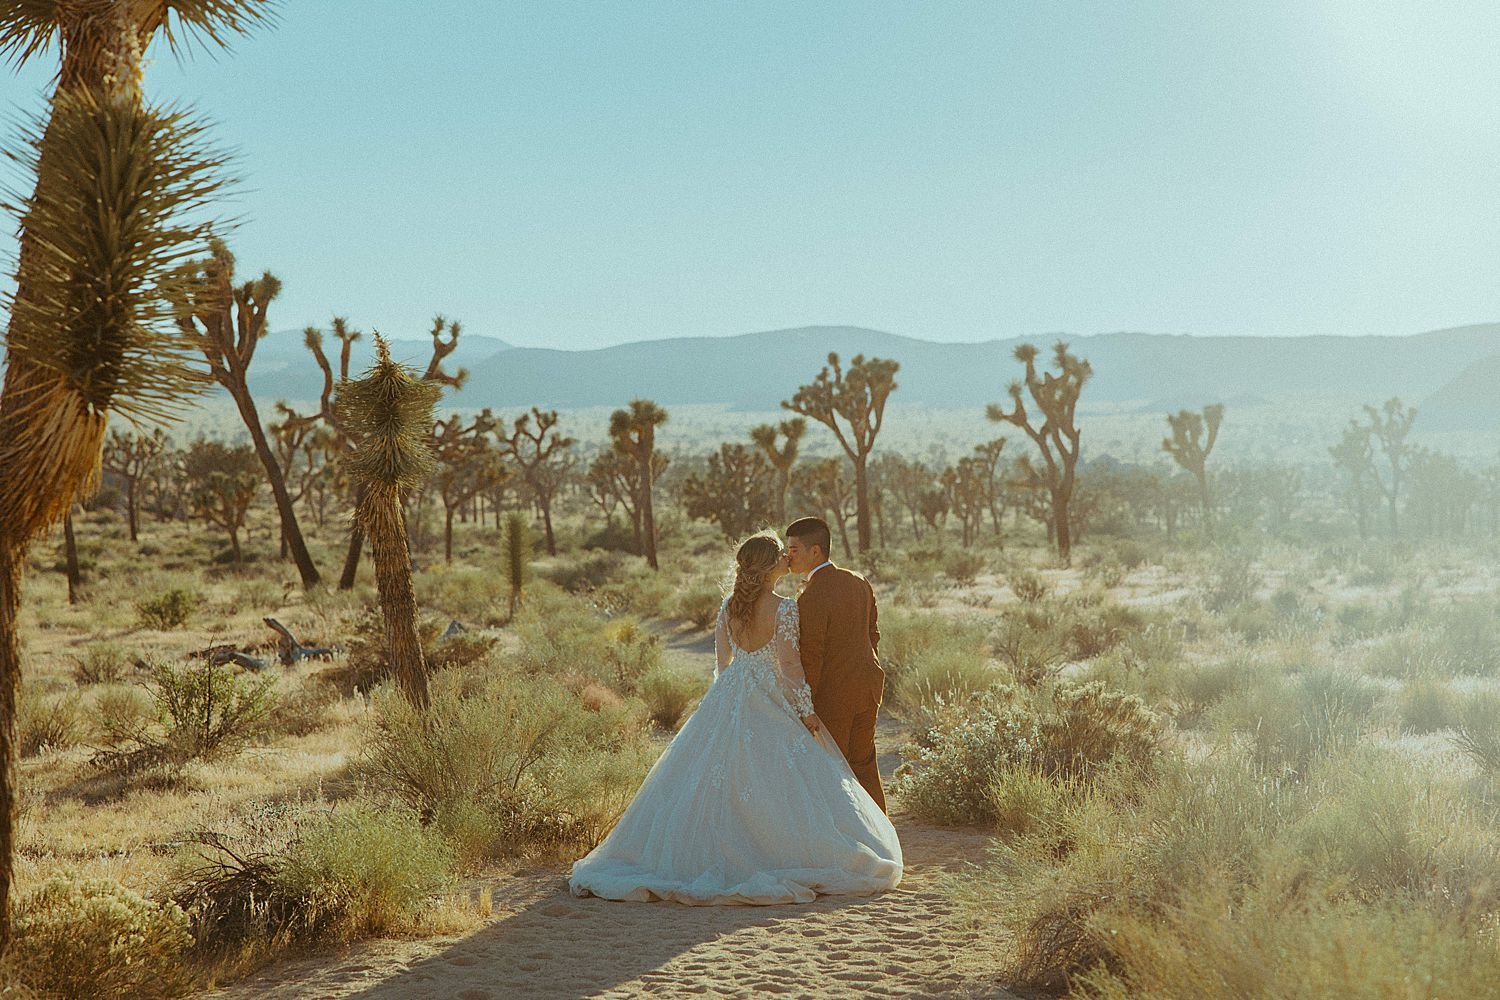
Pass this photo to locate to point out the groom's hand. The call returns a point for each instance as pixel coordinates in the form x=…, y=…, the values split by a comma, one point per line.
x=813, y=723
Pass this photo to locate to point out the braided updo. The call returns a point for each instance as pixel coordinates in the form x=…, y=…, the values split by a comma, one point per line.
x=753, y=562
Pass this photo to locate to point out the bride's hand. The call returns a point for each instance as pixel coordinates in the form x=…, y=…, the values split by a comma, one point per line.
x=813, y=723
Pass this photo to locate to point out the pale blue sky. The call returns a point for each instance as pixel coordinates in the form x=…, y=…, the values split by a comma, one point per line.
x=581, y=174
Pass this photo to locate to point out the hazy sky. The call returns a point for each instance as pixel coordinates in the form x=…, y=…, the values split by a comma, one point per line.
x=581, y=174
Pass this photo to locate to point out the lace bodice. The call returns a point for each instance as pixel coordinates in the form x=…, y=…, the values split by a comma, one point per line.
x=776, y=665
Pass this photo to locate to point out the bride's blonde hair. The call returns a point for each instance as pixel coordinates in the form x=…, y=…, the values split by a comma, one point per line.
x=753, y=562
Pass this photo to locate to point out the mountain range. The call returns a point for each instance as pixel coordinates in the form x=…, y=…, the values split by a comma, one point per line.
x=1448, y=373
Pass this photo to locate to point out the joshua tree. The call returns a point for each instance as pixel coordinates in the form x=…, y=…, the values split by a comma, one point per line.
x=859, y=397
x=783, y=458
x=1354, y=457
x=227, y=321
x=1056, y=437
x=305, y=452
x=131, y=457
x=221, y=485
x=517, y=556
x=389, y=412
x=1389, y=426
x=467, y=466
x=733, y=490
x=100, y=239
x=823, y=482
x=634, y=433
x=444, y=339
x=1190, y=450
x=541, y=453
x=614, y=480
x=967, y=484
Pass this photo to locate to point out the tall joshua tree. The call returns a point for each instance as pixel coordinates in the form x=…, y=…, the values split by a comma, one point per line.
x=1056, y=437
x=1190, y=449
x=390, y=413
x=1389, y=426
x=781, y=458
x=858, y=396
x=541, y=453
x=633, y=432
x=444, y=339
x=131, y=457
x=227, y=321
x=101, y=238
x=1354, y=457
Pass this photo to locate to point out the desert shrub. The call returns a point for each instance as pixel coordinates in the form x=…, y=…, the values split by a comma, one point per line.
x=1468, y=634
x=1028, y=586
x=1291, y=725
x=1029, y=649
x=168, y=610
x=301, y=711
x=1108, y=575
x=698, y=603
x=472, y=595
x=516, y=763
x=1262, y=946
x=202, y=712
x=1231, y=579
x=46, y=722
x=118, y=713
x=363, y=870
x=1196, y=690
x=926, y=656
x=101, y=663
x=964, y=566
x=1478, y=733
x=1075, y=733
x=583, y=574
x=82, y=939
x=1024, y=800
x=1426, y=705
x=1097, y=630
x=671, y=694
x=631, y=653
x=1410, y=652
x=368, y=662
x=357, y=871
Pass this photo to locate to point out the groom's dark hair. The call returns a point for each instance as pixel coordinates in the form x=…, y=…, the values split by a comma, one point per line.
x=813, y=531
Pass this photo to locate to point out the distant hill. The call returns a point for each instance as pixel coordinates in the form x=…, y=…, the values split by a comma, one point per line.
x=1469, y=402
x=1150, y=372
x=1448, y=373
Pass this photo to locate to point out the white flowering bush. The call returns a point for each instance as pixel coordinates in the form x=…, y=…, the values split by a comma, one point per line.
x=94, y=939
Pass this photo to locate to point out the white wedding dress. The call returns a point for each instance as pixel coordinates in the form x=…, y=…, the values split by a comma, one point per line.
x=745, y=806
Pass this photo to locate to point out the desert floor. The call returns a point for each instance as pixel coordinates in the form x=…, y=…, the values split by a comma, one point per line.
x=542, y=943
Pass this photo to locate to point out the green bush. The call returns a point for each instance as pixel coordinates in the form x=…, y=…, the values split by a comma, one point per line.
x=167, y=610
x=203, y=712
x=583, y=574
x=119, y=713
x=1030, y=649
x=101, y=663
x=94, y=939
x=1028, y=586
x=1231, y=580
x=697, y=603
x=964, y=566
x=368, y=662
x=46, y=722
x=671, y=694
x=1427, y=705
x=931, y=656
x=1075, y=733
x=1290, y=725
x=513, y=763
x=363, y=870
x=1478, y=733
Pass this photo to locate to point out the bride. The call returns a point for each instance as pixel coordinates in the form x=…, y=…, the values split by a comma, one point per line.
x=751, y=802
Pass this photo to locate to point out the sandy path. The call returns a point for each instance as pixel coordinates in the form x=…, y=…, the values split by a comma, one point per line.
x=544, y=944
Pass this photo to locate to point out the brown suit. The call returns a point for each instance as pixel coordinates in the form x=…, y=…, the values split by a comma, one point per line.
x=840, y=638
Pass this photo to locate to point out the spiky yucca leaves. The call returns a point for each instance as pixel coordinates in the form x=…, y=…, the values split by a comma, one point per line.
x=108, y=227
x=29, y=28
x=389, y=412
x=517, y=556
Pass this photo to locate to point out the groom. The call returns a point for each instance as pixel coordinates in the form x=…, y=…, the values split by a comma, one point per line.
x=840, y=637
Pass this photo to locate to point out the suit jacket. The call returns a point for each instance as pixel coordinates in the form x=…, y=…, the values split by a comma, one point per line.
x=840, y=640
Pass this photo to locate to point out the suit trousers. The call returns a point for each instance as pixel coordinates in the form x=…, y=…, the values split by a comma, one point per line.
x=855, y=735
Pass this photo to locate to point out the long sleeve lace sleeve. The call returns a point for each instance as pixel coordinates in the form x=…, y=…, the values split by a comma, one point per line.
x=789, y=659
x=722, y=651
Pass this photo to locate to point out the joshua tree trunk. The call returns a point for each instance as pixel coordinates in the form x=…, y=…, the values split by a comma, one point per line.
x=133, y=506
x=448, y=535
x=1062, y=502
x=11, y=562
x=70, y=544
x=351, y=556
x=547, y=528
x=648, y=515
x=380, y=513
x=862, y=503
